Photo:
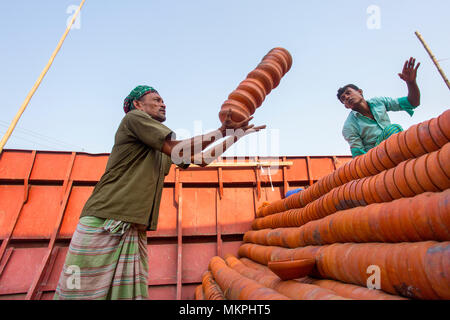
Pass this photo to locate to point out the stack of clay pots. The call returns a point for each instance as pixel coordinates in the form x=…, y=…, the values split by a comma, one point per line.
x=387, y=210
x=251, y=92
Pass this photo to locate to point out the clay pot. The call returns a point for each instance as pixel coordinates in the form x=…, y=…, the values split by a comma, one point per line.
x=359, y=197
x=400, y=180
x=391, y=186
x=238, y=111
x=341, y=198
x=383, y=156
x=380, y=187
x=341, y=175
x=292, y=269
x=368, y=197
x=437, y=270
x=286, y=55
x=425, y=138
x=255, y=89
x=444, y=123
x=436, y=174
x=347, y=173
x=444, y=156
x=436, y=134
x=373, y=189
x=263, y=77
x=403, y=147
x=413, y=142
x=375, y=161
x=369, y=164
x=353, y=172
x=393, y=149
x=410, y=176
x=359, y=172
x=245, y=98
x=278, y=59
x=274, y=69
x=421, y=172
x=440, y=221
x=336, y=180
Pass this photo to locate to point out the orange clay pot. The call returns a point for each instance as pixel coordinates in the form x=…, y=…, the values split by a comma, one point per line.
x=335, y=178
x=287, y=56
x=353, y=194
x=403, y=147
x=292, y=269
x=415, y=254
x=410, y=176
x=369, y=164
x=361, y=167
x=347, y=175
x=275, y=71
x=436, y=134
x=357, y=168
x=263, y=77
x=440, y=222
x=278, y=58
x=425, y=138
x=380, y=187
x=339, y=201
x=383, y=156
x=238, y=111
x=347, y=196
x=245, y=98
x=400, y=180
x=351, y=171
x=420, y=169
x=413, y=142
x=436, y=268
x=367, y=194
x=359, y=196
x=435, y=172
x=255, y=89
x=393, y=149
x=390, y=184
x=444, y=156
x=341, y=174
x=375, y=161
x=444, y=123
x=372, y=189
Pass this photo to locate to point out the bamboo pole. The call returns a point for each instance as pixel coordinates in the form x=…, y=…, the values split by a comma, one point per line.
x=38, y=81
x=433, y=58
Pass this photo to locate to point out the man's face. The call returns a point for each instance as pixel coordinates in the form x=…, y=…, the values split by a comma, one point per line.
x=153, y=105
x=351, y=97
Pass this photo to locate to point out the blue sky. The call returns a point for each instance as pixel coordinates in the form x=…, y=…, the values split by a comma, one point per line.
x=196, y=52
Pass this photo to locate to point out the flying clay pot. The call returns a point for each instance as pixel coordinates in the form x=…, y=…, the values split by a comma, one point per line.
x=251, y=92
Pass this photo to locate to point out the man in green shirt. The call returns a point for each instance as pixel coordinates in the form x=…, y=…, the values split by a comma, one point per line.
x=368, y=123
x=107, y=256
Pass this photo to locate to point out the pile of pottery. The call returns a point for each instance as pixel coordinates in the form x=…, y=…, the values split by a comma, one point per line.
x=384, y=215
x=251, y=92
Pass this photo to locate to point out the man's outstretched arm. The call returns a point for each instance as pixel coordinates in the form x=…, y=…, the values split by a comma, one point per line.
x=190, y=150
x=409, y=75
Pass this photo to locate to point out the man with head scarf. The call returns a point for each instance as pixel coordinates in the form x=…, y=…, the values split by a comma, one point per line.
x=368, y=123
x=107, y=256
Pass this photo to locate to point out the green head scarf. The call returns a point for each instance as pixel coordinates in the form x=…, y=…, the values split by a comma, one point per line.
x=136, y=94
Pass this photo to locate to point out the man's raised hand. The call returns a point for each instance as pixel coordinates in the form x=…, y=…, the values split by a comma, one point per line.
x=409, y=72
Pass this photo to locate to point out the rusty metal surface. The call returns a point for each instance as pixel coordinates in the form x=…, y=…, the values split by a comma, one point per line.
x=42, y=194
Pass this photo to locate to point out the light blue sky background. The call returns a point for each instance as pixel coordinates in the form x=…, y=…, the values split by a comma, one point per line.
x=196, y=52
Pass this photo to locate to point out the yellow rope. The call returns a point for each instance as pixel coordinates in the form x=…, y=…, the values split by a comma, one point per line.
x=38, y=81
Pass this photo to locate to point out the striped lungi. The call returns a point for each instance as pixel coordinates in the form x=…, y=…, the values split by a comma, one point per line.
x=107, y=260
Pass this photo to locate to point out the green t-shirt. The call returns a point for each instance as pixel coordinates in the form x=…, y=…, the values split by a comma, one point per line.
x=362, y=132
x=131, y=187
